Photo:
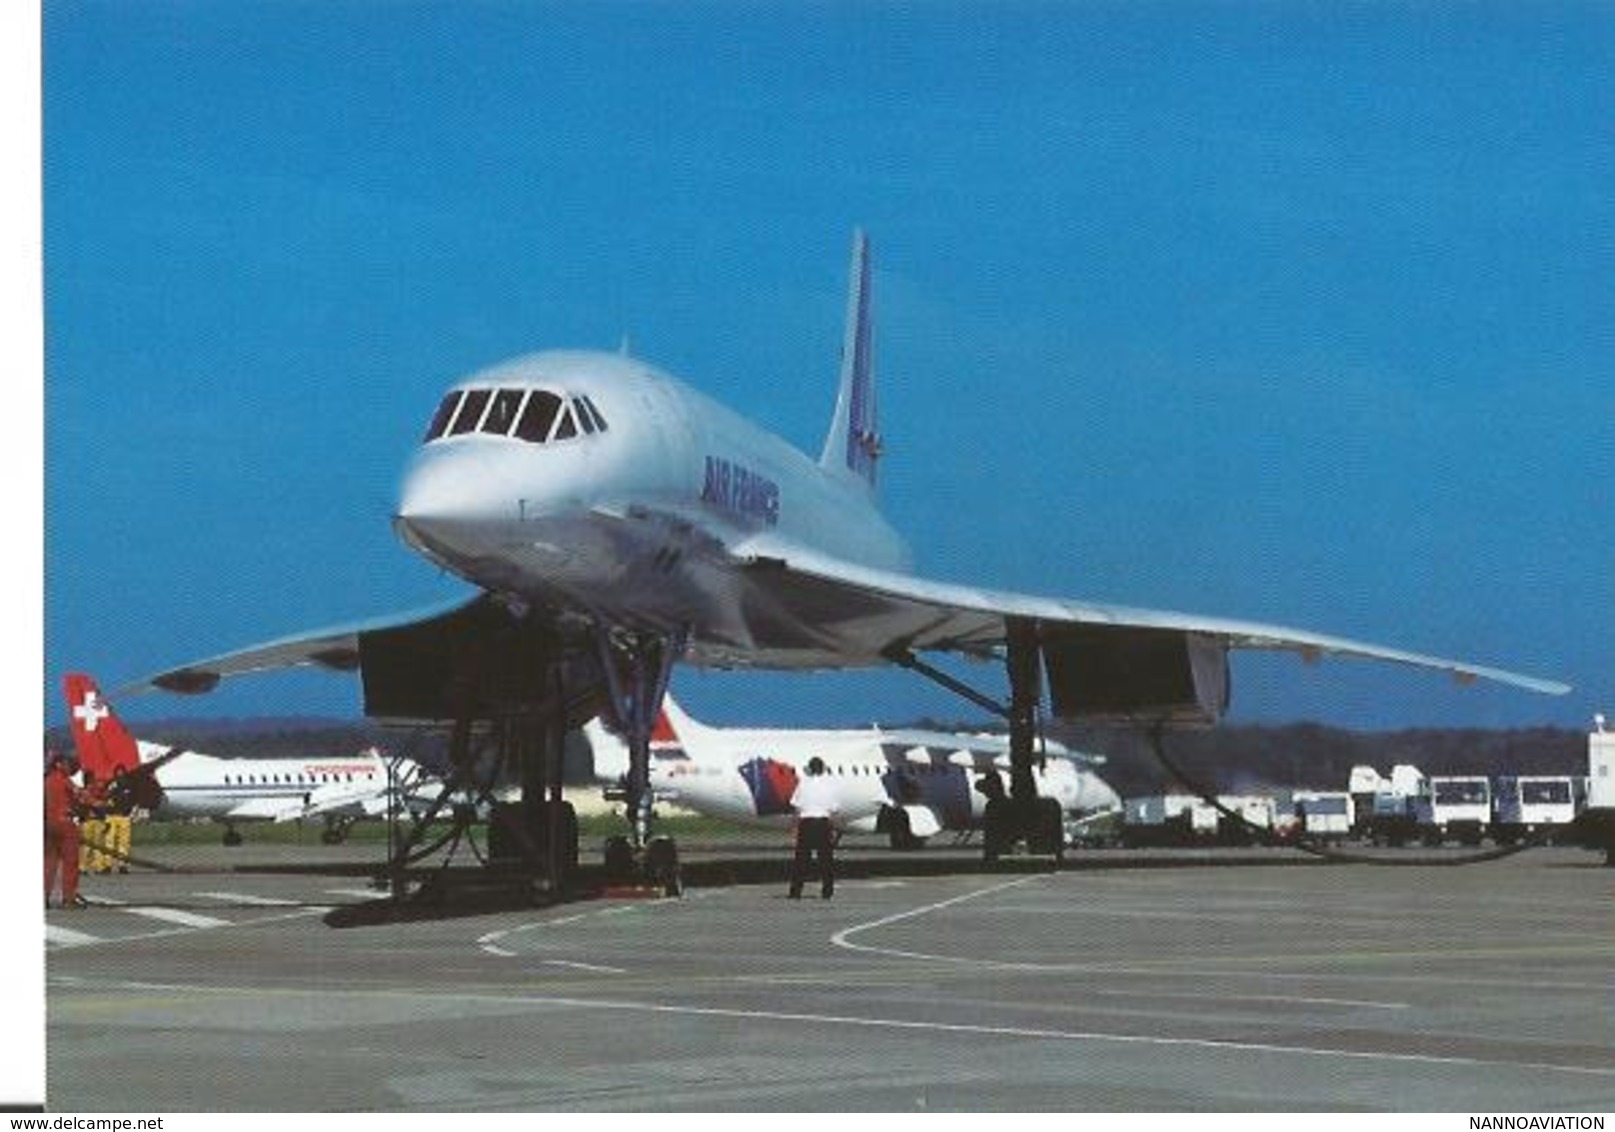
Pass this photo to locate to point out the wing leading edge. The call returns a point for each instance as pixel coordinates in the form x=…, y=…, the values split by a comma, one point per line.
x=464, y=657
x=1104, y=662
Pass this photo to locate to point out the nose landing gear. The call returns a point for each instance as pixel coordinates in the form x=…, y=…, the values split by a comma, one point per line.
x=637, y=667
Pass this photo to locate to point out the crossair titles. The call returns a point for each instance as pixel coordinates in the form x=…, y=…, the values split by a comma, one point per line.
x=741, y=491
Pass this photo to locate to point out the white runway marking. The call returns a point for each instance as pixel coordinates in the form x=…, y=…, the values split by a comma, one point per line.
x=1296, y=1000
x=1060, y=1035
x=67, y=937
x=490, y=941
x=842, y=937
x=361, y=893
x=177, y=916
x=186, y=926
x=586, y=966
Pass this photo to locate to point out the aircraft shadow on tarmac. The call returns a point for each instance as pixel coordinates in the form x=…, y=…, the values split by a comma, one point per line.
x=454, y=893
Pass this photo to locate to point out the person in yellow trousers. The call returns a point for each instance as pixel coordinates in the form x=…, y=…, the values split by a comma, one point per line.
x=117, y=841
x=93, y=857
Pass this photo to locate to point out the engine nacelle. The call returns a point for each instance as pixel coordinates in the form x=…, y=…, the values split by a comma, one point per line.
x=1114, y=675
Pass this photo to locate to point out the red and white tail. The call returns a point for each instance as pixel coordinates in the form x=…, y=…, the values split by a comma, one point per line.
x=675, y=729
x=105, y=747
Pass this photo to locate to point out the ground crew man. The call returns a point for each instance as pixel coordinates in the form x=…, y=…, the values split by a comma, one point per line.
x=815, y=805
x=118, y=838
x=61, y=829
x=93, y=828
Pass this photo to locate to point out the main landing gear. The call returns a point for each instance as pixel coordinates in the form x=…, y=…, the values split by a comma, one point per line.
x=511, y=728
x=637, y=667
x=1020, y=815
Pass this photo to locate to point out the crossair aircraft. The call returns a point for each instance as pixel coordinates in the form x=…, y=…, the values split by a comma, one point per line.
x=613, y=521
x=908, y=784
x=173, y=783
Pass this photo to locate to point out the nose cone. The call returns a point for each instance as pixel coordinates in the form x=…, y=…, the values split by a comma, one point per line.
x=438, y=490
x=444, y=502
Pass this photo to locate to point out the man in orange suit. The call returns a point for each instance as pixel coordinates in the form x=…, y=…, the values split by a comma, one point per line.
x=61, y=828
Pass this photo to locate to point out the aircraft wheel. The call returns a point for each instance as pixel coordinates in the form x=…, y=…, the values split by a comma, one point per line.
x=569, y=839
x=331, y=835
x=231, y=838
x=662, y=865
x=1048, y=829
x=994, y=828
x=900, y=832
x=619, y=858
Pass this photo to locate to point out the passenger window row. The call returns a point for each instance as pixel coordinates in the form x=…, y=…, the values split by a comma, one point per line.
x=537, y=416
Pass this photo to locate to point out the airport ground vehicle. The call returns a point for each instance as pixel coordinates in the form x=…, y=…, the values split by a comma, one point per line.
x=1187, y=819
x=1536, y=806
x=1383, y=807
x=1167, y=819
x=1457, y=807
x=1257, y=816
x=1597, y=822
x=1324, y=815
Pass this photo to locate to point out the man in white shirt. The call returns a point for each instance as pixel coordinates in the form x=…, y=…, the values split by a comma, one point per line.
x=815, y=804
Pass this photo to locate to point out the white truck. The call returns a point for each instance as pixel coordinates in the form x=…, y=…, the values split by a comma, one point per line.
x=1168, y=819
x=1457, y=807
x=1257, y=818
x=1324, y=815
x=1597, y=821
x=1383, y=807
x=1536, y=807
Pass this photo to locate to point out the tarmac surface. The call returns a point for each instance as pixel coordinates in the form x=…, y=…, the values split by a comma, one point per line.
x=1148, y=980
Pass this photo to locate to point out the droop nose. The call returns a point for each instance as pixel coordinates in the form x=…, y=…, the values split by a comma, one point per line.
x=441, y=502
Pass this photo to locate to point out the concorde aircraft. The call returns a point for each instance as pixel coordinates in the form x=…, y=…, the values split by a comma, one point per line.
x=907, y=783
x=615, y=520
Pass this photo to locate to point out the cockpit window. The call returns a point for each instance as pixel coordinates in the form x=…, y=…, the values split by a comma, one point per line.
x=589, y=410
x=581, y=408
x=502, y=413
x=536, y=416
x=539, y=415
x=568, y=428
x=444, y=414
x=470, y=411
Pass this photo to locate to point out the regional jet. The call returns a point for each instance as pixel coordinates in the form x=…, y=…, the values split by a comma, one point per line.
x=613, y=521
x=909, y=784
x=173, y=783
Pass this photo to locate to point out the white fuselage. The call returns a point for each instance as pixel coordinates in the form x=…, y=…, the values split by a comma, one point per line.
x=748, y=775
x=202, y=786
x=644, y=522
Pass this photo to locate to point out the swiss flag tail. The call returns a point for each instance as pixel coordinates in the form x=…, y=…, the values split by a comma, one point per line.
x=105, y=747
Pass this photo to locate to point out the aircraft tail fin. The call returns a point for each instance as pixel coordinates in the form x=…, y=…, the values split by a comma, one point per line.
x=853, y=444
x=674, y=726
x=105, y=747
x=669, y=739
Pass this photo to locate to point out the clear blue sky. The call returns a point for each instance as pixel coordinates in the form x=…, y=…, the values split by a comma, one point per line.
x=1299, y=312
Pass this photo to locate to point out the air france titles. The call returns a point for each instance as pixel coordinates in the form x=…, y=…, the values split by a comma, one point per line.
x=741, y=491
